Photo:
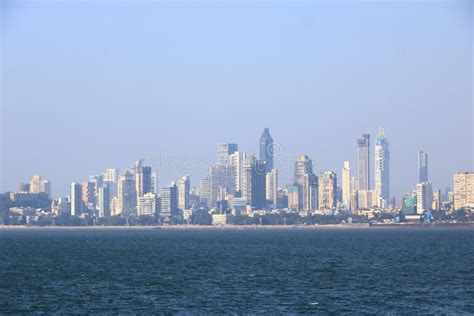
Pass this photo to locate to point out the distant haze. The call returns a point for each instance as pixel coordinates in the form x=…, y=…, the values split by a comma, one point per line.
x=98, y=84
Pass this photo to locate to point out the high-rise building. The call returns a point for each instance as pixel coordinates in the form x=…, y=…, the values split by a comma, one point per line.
x=46, y=187
x=293, y=198
x=154, y=182
x=98, y=181
x=76, y=199
x=242, y=164
x=266, y=149
x=205, y=191
x=103, y=200
x=142, y=178
x=346, y=185
x=363, y=155
x=111, y=176
x=88, y=194
x=327, y=184
x=463, y=190
x=169, y=201
x=37, y=185
x=147, y=204
x=422, y=167
x=126, y=194
x=382, y=168
x=424, y=196
x=367, y=199
x=222, y=181
x=436, y=204
x=271, y=193
x=64, y=206
x=307, y=184
x=224, y=151
x=184, y=186
x=259, y=171
x=24, y=187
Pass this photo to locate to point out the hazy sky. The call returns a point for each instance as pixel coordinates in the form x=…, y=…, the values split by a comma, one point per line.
x=90, y=85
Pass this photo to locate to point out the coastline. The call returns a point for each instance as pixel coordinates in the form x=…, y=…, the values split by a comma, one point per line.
x=188, y=227
x=237, y=227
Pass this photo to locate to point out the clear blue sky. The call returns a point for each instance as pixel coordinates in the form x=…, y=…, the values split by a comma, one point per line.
x=90, y=85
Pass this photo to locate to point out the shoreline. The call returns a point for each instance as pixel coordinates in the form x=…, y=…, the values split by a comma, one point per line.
x=234, y=227
x=187, y=227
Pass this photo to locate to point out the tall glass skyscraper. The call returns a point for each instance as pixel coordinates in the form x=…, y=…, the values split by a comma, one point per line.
x=363, y=154
x=382, y=168
x=266, y=149
x=422, y=167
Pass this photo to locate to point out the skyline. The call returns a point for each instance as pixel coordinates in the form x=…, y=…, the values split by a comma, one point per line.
x=317, y=74
x=228, y=155
x=201, y=168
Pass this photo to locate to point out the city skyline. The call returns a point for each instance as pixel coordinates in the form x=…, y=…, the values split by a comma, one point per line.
x=284, y=165
x=175, y=101
x=236, y=157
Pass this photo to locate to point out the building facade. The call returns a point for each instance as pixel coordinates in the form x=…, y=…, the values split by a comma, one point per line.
x=327, y=184
x=463, y=190
x=127, y=195
x=422, y=167
x=307, y=184
x=363, y=155
x=424, y=197
x=271, y=194
x=346, y=185
x=184, y=186
x=382, y=168
x=266, y=149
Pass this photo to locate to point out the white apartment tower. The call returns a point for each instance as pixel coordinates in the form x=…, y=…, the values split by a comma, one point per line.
x=382, y=168
x=271, y=188
x=346, y=185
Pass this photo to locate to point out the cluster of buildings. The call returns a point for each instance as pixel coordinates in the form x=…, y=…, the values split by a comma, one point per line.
x=244, y=183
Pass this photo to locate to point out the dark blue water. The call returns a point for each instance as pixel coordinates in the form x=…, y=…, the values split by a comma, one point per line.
x=238, y=271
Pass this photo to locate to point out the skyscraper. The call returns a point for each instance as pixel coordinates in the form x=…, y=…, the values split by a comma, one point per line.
x=424, y=197
x=382, y=168
x=422, y=166
x=293, y=198
x=98, y=181
x=307, y=184
x=88, y=195
x=154, y=182
x=142, y=178
x=242, y=164
x=111, y=177
x=463, y=190
x=266, y=149
x=103, y=200
x=205, y=191
x=222, y=181
x=184, y=186
x=259, y=171
x=346, y=185
x=169, y=201
x=76, y=199
x=327, y=184
x=363, y=155
x=127, y=194
x=224, y=151
x=37, y=185
x=271, y=187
